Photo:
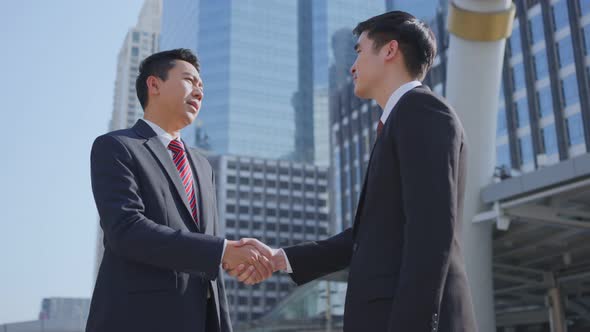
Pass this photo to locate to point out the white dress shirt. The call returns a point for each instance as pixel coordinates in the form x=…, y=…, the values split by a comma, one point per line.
x=166, y=138
x=395, y=97
x=391, y=102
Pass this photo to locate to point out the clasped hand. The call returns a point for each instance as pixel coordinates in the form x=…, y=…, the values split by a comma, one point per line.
x=251, y=261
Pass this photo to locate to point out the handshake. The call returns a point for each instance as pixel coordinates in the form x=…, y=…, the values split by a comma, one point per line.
x=251, y=261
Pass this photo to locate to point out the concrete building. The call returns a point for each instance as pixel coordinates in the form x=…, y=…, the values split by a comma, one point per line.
x=56, y=315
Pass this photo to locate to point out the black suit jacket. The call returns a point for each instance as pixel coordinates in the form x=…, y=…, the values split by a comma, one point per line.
x=158, y=265
x=406, y=269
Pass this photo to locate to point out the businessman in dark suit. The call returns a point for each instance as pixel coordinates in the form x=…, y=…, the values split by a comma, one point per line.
x=406, y=269
x=156, y=200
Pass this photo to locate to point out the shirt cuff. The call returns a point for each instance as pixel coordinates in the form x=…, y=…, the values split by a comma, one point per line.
x=223, y=252
x=289, y=269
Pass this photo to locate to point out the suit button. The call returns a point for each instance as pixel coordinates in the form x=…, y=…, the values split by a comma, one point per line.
x=434, y=323
x=355, y=247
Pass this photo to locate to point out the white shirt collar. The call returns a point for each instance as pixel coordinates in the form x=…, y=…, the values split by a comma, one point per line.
x=396, y=96
x=163, y=135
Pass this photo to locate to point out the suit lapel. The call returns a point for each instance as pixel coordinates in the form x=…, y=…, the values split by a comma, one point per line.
x=161, y=153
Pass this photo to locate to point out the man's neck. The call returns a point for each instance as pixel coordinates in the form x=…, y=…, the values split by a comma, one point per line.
x=388, y=90
x=162, y=123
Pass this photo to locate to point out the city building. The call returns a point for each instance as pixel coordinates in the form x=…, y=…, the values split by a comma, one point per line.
x=279, y=202
x=140, y=42
x=248, y=54
x=57, y=315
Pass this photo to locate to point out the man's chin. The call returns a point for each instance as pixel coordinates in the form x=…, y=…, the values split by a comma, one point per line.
x=359, y=92
x=189, y=118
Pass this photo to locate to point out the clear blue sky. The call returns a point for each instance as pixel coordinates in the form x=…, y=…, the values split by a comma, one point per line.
x=58, y=63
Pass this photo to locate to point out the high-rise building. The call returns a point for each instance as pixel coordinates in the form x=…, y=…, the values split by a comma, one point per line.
x=141, y=41
x=60, y=308
x=248, y=55
x=279, y=202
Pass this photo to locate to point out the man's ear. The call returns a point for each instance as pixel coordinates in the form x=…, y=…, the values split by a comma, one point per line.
x=153, y=84
x=391, y=49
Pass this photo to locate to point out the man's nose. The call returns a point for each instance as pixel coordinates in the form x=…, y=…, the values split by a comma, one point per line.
x=198, y=93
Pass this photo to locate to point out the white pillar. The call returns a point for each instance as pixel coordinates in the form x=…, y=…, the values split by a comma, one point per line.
x=473, y=82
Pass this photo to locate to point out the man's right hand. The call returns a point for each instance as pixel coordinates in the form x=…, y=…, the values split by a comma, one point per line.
x=248, y=259
x=247, y=275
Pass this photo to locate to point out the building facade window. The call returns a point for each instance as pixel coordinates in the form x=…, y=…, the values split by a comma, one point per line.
x=549, y=139
x=526, y=150
x=569, y=86
x=540, y=61
x=545, y=102
x=560, y=14
x=575, y=129
x=536, y=28
x=565, y=51
x=503, y=155
x=515, y=42
x=522, y=111
x=518, y=76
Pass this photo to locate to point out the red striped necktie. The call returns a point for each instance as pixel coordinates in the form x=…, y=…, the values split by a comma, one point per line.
x=379, y=128
x=186, y=175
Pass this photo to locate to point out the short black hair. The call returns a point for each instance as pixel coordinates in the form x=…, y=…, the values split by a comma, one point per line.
x=416, y=40
x=158, y=64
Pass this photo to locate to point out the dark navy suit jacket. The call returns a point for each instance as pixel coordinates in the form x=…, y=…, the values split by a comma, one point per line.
x=158, y=265
x=406, y=269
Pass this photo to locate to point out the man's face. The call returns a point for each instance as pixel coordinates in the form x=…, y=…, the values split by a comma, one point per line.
x=181, y=94
x=367, y=69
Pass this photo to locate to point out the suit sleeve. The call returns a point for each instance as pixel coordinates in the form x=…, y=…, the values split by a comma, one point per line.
x=312, y=260
x=128, y=232
x=428, y=142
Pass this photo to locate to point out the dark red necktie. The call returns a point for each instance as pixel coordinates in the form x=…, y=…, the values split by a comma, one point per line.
x=379, y=128
x=186, y=175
